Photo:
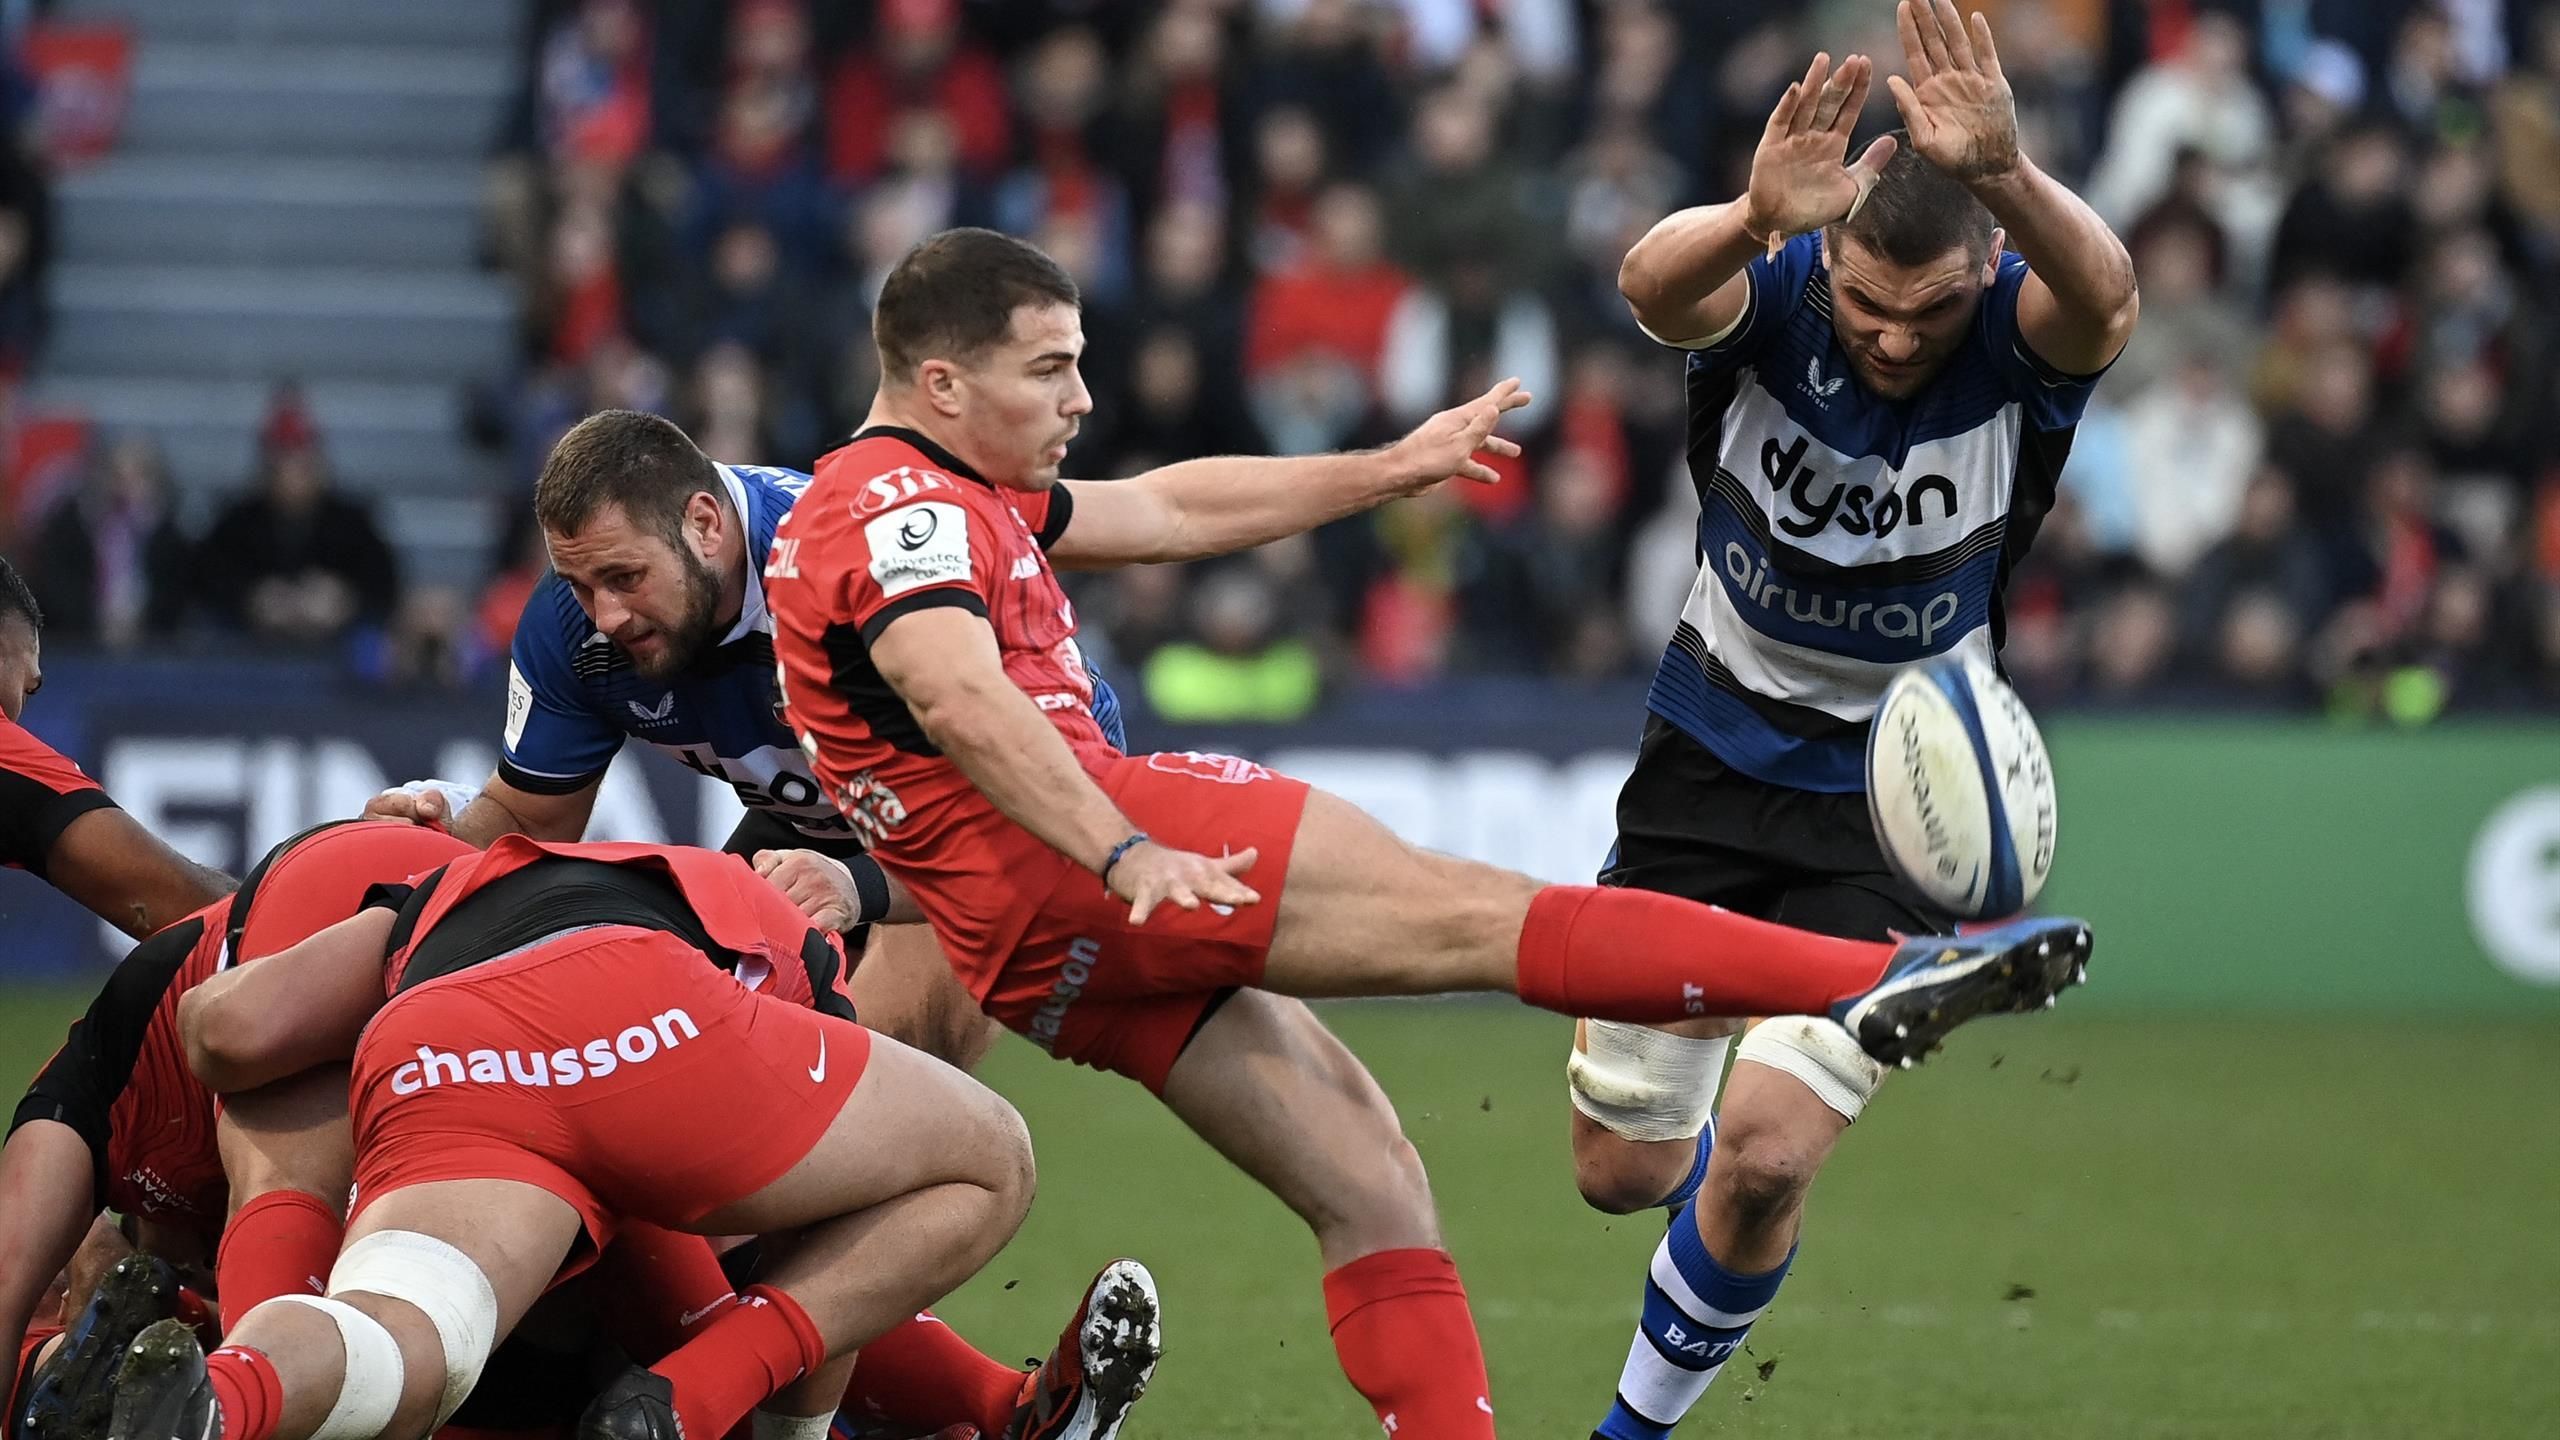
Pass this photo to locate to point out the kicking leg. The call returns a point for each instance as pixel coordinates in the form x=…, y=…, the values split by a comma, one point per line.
x=1363, y=913
x=1267, y=1085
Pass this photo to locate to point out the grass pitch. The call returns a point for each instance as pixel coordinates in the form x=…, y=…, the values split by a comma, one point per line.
x=2062, y=1229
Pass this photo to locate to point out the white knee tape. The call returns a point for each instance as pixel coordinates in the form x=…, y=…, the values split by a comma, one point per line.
x=1819, y=1053
x=1640, y=1083
x=444, y=1285
x=375, y=1374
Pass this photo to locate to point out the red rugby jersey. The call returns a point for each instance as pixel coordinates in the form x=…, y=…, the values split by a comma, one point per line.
x=894, y=524
x=41, y=793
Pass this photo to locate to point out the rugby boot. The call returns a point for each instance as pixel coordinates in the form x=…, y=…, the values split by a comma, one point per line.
x=638, y=1405
x=1935, y=983
x=162, y=1392
x=1104, y=1359
x=72, y=1394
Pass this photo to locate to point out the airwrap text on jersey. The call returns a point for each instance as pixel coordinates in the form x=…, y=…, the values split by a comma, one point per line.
x=1842, y=535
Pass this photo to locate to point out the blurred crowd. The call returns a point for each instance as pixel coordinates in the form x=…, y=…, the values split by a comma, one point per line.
x=2325, y=474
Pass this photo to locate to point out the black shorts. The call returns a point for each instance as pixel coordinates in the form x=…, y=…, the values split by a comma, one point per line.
x=1692, y=826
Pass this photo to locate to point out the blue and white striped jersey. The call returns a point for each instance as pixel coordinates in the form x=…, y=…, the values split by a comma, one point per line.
x=1841, y=534
x=573, y=697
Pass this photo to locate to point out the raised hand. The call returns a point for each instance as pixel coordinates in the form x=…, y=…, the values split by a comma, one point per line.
x=1444, y=447
x=1798, y=180
x=1956, y=104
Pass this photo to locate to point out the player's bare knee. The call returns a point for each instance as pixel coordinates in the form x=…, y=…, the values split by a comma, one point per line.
x=1761, y=1174
x=1619, y=1177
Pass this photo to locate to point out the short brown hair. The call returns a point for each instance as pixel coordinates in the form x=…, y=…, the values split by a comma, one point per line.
x=643, y=463
x=954, y=295
x=1918, y=212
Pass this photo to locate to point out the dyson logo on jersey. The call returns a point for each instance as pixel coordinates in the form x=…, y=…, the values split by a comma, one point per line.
x=568, y=1065
x=1897, y=621
x=1856, y=508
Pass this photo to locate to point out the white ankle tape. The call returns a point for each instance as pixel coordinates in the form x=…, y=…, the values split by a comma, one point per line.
x=1643, y=1084
x=444, y=1285
x=370, y=1393
x=1819, y=1053
x=770, y=1426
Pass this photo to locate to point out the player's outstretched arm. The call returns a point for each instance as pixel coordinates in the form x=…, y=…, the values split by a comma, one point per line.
x=46, y=1202
x=1226, y=503
x=479, y=817
x=128, y=876
x=2078, y=305
x=944, y=663
x=1684, y=280
x=302, y=1006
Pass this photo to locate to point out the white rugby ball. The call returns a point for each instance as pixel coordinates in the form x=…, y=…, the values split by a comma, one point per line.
x=1960, y=788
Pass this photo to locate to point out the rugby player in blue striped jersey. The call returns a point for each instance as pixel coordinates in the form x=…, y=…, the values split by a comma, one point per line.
x=1886, y=359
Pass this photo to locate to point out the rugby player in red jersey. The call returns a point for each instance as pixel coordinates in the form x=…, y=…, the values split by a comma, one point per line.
x=117, y=1121
x=56, y=824
x=557, y=1040
x=1146, y=914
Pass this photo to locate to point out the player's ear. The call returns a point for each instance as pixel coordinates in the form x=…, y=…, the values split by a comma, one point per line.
x=1991, y=262
x=704, y=522
x=940, y=381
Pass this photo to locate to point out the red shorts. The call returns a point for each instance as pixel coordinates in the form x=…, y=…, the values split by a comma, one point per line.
x=1084, y=985
x=613, y=1067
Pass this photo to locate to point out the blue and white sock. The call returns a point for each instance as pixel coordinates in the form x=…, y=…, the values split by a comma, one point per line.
x=1696, y=1316
x=1687, y=1190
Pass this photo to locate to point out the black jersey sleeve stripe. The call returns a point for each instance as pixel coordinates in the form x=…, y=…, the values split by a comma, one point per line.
x=1062, y=508
x=941, y=596
x=79, y=1086
x=33, y=815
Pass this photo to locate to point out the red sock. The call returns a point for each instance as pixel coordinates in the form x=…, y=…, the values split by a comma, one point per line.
x=732, y=1364
x=248, y=1396
x=656, y=1287
x=281, y=1243
x=16, y=1379
x=1633, y=955
x=1401, y=1328
x=923, y=1377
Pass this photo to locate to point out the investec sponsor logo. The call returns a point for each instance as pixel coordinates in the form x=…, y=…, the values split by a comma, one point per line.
x=568, y=1065
x=1834, y=611
x=1082, y=956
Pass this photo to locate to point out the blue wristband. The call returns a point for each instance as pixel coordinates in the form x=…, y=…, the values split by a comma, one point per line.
x=1136, y=839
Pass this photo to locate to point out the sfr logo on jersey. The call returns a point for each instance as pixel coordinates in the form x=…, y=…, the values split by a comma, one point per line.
x=919, y=545
x=902, y=484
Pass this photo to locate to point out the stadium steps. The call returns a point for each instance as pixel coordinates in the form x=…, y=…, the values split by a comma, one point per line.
x=369, y=101
x=296, y=196
x=382, y=22
x=223, y=322
x=383, y=436
x=251, y=210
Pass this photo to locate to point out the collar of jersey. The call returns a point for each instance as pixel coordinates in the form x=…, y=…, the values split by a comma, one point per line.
x=752, y=615
x=921, y=441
